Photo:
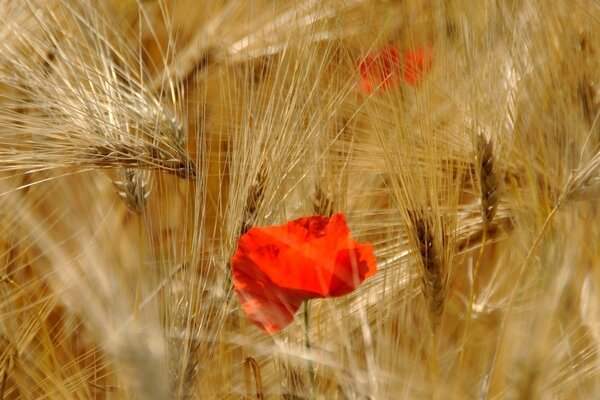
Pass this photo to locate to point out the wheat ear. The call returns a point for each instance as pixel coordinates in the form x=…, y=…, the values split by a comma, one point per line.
x=133, y=187
x=323, y=203
x=488, y=180
x=255, y=195
x=584, y=183
x=433, y=274
x=251, y=363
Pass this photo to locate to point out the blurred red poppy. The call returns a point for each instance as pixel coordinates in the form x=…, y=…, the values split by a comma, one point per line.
x=383, y=69
x=380, y=69
x=416, y=64
x=276, y=268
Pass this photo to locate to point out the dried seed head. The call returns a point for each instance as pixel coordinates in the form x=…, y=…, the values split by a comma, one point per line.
x=134, y=188
x=433, y=274
x=82, y=91
x=488, y=179
x=254, y=197
x=323, y=203
x=251, y=363
x=584, y=183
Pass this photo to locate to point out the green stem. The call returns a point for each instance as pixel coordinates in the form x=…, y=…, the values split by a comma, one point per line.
x=311, y=368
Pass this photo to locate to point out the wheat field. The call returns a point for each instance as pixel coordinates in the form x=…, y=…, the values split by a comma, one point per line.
x=140, y=138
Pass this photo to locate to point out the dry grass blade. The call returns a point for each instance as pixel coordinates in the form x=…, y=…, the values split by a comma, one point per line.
x=7, y=364
x=230, y=37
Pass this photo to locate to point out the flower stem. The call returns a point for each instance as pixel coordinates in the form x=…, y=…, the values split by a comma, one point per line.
x=311, y=369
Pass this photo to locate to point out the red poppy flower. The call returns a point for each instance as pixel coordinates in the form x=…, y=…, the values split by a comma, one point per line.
x=380, y=69
x=416, y=64
x=383, y=69
x=276, y=268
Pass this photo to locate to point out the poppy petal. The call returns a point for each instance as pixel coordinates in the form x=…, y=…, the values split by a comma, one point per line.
x=416, y=64
x=352, y=266
x=275, y=268
x=300, y=254
x=384, y=68
x=267, y=306
x=380, y=69
x=280, y=256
